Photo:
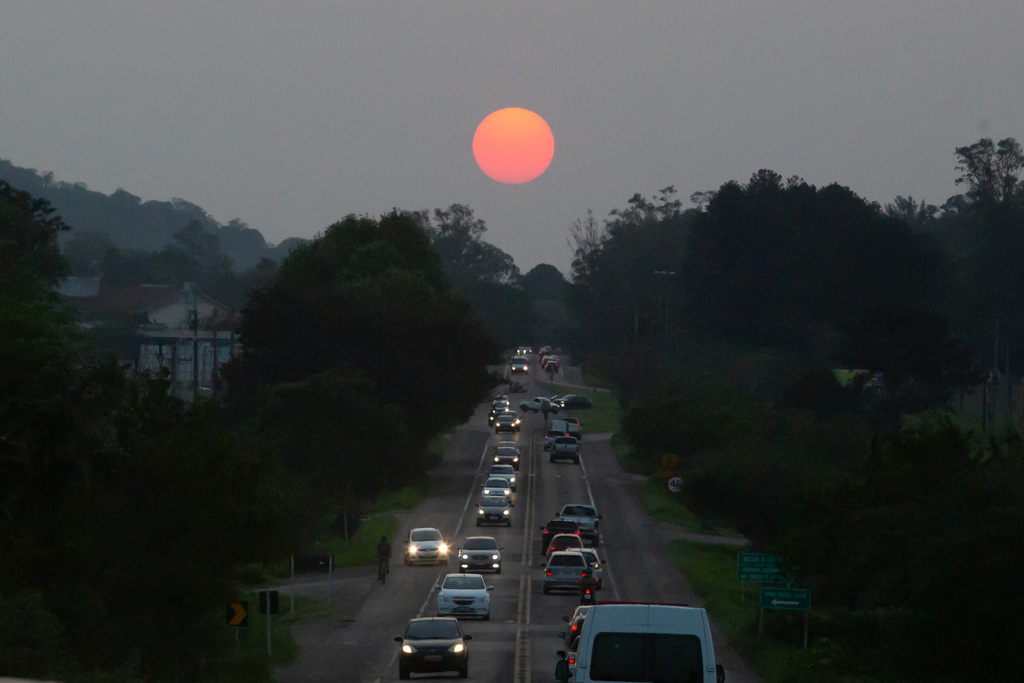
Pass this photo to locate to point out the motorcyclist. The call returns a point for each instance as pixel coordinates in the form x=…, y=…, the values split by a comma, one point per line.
x=588, y=586
x=384, y=555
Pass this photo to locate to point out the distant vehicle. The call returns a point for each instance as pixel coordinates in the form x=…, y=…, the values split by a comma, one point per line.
x=556, y=429
x=565, y=542
x=565, y=448
x=497, y=486
x=464, y=595
x=426, y=546
x=480, y=553
x=555, y=526
x=586, y=516
x=494, y=509
x=507, y=456
x=519, y=364
x=498, y=406
x=572, y=427
x=537, y=404
x=433, y=645
x=506, y=422
x=523, y=351
x=575, y=624
x=596, y=568
x=507, y=472
x=563, y=571
x=575, y=401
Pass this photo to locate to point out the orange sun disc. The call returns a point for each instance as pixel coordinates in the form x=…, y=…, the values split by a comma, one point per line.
x=513, y=145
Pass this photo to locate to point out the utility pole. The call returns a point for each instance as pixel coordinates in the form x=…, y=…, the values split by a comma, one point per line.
x=193, y=320
x=665, y=275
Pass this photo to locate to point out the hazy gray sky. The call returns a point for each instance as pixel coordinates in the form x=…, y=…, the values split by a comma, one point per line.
x=289, y=116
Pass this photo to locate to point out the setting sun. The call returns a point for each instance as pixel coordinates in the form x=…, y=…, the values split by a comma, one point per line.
x=513, y=145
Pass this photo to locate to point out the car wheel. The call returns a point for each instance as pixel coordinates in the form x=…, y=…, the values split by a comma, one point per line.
x=552, y=457
x=498, y=570
x=478, y=522
x=508, y=523
x=464, y=670
x=487, y=617
x=403, y=672
x=546, y=590
x=599, y=584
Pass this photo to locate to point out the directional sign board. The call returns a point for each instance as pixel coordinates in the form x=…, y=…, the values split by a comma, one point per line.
x=238, y=613
x=762, y=568
x=797, y=599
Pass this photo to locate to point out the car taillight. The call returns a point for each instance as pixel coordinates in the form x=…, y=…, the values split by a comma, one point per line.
x=549, y=573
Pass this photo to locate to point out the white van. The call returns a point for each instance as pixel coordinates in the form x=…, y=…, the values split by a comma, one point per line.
x=642, y=643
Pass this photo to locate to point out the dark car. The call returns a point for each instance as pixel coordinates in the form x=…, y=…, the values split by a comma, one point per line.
x=433, y=645
x=575, y=401
x=506, y=455
x=506, y=422
x=553, y=528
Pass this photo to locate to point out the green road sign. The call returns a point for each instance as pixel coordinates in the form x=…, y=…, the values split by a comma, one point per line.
x=797, y=599
x=762, y=568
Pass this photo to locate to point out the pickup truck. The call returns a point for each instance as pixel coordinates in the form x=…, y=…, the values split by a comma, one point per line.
x=537, y=404
x=565, y=448
x=586, y=518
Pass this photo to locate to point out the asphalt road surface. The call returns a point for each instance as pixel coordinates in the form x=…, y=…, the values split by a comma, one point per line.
x=520, y=641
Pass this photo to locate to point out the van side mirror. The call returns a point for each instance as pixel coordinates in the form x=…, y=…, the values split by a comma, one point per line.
x=719, y=673
x=562, y=671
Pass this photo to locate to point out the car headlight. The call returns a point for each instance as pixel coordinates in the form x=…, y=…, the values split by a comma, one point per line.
x=512, y=480
x=443, y=598
x=504, y=512
x=508, y=492
x=515, y=459
x=466, y=557
x=479, y=512
x=413, y=549
x=408, y=649
x=457, y=647
x=443, y=549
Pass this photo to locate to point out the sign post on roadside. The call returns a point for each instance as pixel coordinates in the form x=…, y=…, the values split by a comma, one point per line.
x=790, y=599
x=761, y=568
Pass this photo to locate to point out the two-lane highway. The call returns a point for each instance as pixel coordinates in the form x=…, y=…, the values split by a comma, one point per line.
x=520, y=641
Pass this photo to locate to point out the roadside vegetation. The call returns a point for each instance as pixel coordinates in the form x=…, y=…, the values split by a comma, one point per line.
x=817, y=368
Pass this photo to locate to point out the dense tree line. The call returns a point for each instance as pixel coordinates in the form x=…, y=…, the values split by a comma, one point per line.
x=723, y=326
x=128, y=519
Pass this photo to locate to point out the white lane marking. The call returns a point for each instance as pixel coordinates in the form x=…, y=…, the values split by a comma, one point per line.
x=590, y=495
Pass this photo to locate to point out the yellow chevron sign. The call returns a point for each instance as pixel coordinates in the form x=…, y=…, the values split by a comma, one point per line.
x=238, y=614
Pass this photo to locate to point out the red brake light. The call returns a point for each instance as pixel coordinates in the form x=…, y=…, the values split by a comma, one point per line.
x=549, y=573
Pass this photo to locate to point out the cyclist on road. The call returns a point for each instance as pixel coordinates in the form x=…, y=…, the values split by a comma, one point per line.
x=383, y=557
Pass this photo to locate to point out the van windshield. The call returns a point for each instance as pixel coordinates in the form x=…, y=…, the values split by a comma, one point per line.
x=647, y=657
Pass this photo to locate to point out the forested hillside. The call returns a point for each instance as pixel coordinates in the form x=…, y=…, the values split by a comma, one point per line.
x=129, y=223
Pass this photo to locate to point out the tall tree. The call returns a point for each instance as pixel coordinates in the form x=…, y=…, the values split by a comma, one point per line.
x=365, y=313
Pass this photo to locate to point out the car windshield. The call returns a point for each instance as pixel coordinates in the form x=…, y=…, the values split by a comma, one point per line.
x=432, y=628
x=425, y=535
x=482, y=543
x=492, y=502
x=463, y=583
x=502, y=469
x=495, y=482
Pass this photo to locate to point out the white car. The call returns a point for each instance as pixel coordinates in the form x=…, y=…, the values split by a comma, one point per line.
x=506, y=472
x=464, y=595
x=596, y=566
x=426, y=546
x=496, y=486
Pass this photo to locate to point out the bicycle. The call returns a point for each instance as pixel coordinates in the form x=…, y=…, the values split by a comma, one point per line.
x=382, y=569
